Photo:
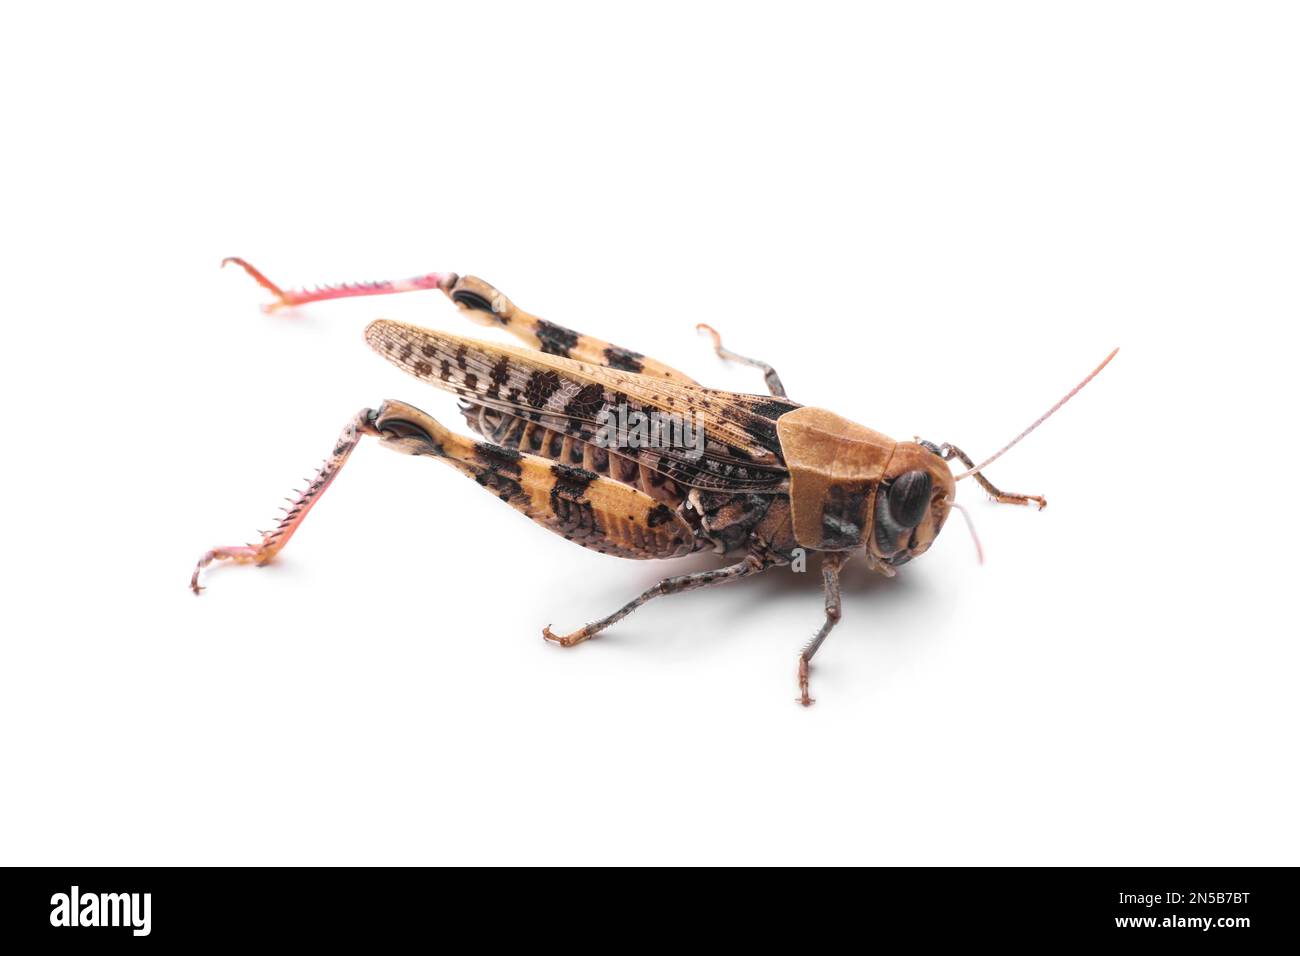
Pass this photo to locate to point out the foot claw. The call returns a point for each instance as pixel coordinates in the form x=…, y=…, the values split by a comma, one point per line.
x=280, y=298
x=564, y=640
x=245, y=554
x=712, y=333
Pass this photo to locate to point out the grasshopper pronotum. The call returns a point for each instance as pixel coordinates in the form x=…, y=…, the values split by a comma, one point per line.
x=765, y=478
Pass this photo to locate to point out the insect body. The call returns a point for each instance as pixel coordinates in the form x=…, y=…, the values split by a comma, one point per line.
x=765, y=480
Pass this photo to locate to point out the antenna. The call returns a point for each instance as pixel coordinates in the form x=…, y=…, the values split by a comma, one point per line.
x=1042, y=418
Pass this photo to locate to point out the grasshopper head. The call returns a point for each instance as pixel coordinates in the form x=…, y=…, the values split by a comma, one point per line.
x=912, y=503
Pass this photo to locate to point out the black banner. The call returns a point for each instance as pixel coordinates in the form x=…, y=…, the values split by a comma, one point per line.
x=137, y=907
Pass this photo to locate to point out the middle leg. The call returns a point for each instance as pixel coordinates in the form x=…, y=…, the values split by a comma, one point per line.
x=769, y=374
x=751, y=565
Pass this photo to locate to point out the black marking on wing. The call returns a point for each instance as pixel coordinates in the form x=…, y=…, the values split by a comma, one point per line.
x=499, y=375
x=541, y=385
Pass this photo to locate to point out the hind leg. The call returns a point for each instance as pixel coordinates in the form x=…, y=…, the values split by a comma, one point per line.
x=285, y=298
x=273, y=541
x=481, y=303
x=588, y=509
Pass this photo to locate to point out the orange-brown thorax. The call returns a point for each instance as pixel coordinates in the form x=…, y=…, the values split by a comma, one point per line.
x=852, y=486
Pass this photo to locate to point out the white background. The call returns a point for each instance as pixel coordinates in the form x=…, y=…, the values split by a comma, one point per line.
x=933, y=219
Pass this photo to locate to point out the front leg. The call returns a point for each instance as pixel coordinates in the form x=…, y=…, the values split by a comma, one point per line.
x=949, y=452
x=832, y=561
x=751, y=565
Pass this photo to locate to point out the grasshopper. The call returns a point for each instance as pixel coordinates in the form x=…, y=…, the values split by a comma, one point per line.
x=765, y=480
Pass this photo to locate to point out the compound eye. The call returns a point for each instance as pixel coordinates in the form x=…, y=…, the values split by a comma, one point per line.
x=909, y=496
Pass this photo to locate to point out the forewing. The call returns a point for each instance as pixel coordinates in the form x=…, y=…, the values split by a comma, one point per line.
x=740, y=451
